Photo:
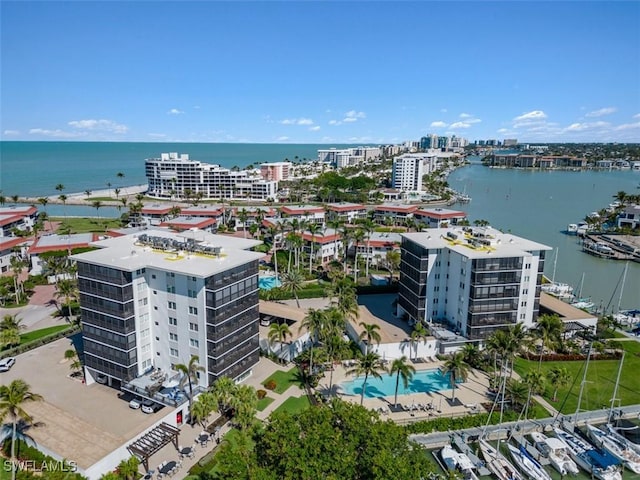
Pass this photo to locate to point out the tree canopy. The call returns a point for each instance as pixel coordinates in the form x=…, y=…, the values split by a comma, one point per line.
x=335, y=441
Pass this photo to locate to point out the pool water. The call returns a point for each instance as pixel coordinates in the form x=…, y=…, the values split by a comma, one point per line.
x=424, y=381
x=267, y=283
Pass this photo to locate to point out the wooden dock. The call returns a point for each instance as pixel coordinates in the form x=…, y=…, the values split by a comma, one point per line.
x=624, y=247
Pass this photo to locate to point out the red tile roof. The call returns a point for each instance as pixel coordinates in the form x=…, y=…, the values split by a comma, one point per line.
x=10, y=242
x=178, y=223
x=158, y=209
x=346, y=208
x=35, y=249
x=396, y=208
x=8, y=220
x=302, y=211
x=440, y=215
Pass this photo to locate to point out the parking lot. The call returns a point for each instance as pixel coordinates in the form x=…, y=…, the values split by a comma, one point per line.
x=81, y=423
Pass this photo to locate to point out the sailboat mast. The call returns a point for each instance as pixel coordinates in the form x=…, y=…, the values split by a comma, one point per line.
x=555, y=262
x=584, y=381
x=624, y=279
x=615, y=389
x=581, y=285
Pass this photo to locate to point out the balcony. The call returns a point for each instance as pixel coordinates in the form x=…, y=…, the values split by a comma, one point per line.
x=161, y=387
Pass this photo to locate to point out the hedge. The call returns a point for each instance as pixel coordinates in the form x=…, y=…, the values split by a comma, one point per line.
x=445, y=424
x=10, y=352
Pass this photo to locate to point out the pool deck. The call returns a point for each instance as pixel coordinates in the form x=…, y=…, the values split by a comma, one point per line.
x=469, y=394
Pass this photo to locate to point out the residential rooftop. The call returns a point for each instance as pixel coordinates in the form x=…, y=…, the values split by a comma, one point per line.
x=131, y=253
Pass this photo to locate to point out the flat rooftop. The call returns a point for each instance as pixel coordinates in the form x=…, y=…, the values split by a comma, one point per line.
x=565, y=311
x=459, y=241
x=129, y=253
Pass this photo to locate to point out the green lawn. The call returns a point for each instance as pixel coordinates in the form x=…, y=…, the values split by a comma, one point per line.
x=601, y=378
x=264, y=403
x=87, y=225
x=285, y=379
x=43, y=332
x=294, y=405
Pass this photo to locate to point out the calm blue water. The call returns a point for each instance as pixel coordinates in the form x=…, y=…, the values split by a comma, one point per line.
x=424, y=381
x=267, y=283
x=35, y=168
x=539, y=205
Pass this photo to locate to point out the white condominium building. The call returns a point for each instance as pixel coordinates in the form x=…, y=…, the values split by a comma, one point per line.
x=173, y=175
x=477, y=280
x=407, y=173
x=276, y=171
x=152, y=300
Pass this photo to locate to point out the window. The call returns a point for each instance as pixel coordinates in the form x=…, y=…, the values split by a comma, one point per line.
x=173, y=352
x=171, y=275
x=523, y=316
x=523, y=304
x=171, y=289
x=155, y=292
x=171, y=305
x=153, y=276
x=193, y=327
x=192, y=293
x=193, y=311
x=173, y=336
x=194, y=279
x=173, y=321
x=194, y=342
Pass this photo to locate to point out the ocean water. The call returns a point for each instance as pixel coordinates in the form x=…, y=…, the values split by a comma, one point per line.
x=539, y=205
x=35, y=168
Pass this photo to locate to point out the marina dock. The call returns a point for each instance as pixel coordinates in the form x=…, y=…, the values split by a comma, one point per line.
x=616, y=247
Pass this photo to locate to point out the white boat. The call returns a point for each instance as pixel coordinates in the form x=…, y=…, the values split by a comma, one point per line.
x=599, y=464
x=556, y=452
x=497, y=463
x=615, y=447
x=530, y=467
x=584, y=304
x=611, y=430
x=457, y=462
x=572, y=229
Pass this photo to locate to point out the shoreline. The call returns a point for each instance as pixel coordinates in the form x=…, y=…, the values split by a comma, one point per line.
x=82, y=199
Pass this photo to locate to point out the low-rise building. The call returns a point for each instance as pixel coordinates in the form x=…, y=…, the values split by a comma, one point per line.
x=629, y=217
x=393, y=214
x=9, y=248
x=326, y=245
x=346, y=212
x=56, y=243
x=306, y=213
x=438, y=217
x=376, y=247
x=17, y=217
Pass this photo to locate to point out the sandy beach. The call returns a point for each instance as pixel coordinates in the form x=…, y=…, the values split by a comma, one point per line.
x=82, y=199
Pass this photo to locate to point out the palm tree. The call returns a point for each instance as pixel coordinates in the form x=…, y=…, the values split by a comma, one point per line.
x=128, y=469
x=558, y=377
x=222, y=390
x=202, y=408
x=548, y=331
x=314, y=321
x=368, y=365
x=44, y=201
x=313, y=228
x=243, y=216
x=11, y=322
x=518, y=392
x=22, y=427
x=97, y=204
x=536, y=381
x=471, y=354
x=403, y=370
x=347, y=304
x=457, y=369
x=292, y=282
x=244, y=403
x=419, y=333
x=12, y=399
x=189, y=375
x=370, y=333
x=278, y=332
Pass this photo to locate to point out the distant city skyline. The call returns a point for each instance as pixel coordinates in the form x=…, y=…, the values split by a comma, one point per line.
x=320, y=72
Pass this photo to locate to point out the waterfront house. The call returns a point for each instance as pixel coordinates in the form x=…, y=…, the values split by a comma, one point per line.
x=438, y=217
x=18, y=217
x=393, y=214
x=346, y=212
x=155, y=213
x=629, y=217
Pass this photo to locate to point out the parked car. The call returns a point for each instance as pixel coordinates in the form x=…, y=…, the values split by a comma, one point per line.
x=135, y=403
x=6, y=364
x=149, y=406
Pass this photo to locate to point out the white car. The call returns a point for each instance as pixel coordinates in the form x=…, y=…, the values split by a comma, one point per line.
x=135, y=403
x=6, y=364
x=149, y=406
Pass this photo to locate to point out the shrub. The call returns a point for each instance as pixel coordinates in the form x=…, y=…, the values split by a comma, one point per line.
x=262, y=393
x=270, y=385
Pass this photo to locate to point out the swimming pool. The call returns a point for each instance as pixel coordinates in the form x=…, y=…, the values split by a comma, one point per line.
x=423, y=381
x=267, y=283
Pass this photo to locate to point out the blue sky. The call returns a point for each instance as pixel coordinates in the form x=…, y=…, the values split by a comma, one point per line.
x=320, y=72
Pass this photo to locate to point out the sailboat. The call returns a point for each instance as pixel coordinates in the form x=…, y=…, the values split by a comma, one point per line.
x=497, y=463
x=556, y=452
x=563, y=291
x=527, y=464
x=615, y=447
x=458, y=462
x=599, y=464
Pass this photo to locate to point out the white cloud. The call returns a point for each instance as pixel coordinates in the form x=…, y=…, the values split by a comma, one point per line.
x=282, y=139
x=349, y=119
x=296, y=121
x=628, y=126
x=460, y=125
x=443, y=110
x=99, y=125
x=175, y=111
x=465, y=115
x=354, y=114
x=11, y=132
x=197, y=107
x=157, y=135
x=533, y=115
x=55, y=133
x=314, y=128
x=637, y=115
x=577, y=127
x=472, y=120
x=335, y=122
x=601, y=112
x=438, y=124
